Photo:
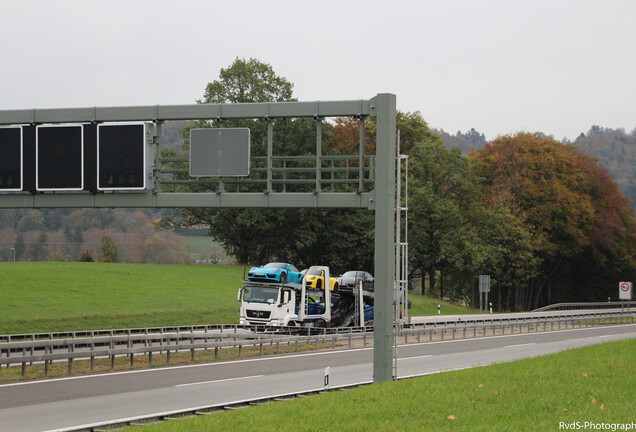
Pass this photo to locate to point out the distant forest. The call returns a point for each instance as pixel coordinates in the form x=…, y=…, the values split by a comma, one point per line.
x=614, y=149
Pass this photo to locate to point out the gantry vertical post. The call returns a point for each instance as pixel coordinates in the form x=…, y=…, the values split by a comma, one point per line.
x=384, y=237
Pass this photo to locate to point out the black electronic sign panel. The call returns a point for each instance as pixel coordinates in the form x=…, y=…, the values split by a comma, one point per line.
x=59, y=158
x=121, y=156
x=10, y=159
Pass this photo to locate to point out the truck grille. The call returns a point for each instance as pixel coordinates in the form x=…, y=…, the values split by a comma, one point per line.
x=258, y=314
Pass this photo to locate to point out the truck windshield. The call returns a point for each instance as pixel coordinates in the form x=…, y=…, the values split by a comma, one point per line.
x=257, y=294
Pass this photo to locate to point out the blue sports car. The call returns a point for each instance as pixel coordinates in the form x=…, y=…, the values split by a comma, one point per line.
x=276, y=272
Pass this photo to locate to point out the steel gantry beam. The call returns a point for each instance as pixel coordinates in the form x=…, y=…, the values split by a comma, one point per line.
x=380, y=196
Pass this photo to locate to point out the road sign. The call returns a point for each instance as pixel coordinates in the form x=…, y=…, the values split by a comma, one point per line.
x=220, y=152
x=59, y=158
x=122, y=156
x=625, y=290
x=484, y=283
x=11, y=159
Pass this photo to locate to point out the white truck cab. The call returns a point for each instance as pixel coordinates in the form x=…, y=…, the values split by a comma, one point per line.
x=267, y=304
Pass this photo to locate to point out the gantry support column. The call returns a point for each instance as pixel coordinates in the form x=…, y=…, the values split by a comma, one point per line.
x=384, y=237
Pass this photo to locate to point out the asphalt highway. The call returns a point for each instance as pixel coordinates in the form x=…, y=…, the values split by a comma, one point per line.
x=67, y=403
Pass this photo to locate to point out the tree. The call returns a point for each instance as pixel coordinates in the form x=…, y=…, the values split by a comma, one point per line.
x=87, y=256
x=108, y=250
x=19, y=246
x=443, y=196
x=248, y=81
x=38, y=250
x=32, y=221
x=559, y=195
x=256, y=235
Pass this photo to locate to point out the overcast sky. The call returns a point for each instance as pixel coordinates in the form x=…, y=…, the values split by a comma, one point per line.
x=499, y=66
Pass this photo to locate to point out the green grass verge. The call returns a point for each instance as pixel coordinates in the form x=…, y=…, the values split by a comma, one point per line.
x=54, y=296
x=592, y=384
x=423, y=305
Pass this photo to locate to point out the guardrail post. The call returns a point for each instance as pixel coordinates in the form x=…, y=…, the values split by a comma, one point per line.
x=92, y=356
x=32, y=339
x=23, y=363
x=70, y=360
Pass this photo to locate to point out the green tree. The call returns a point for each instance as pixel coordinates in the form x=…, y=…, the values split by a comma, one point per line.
x=86, y=256
x=442, y=207
x=19, y=246
x=32, y=221
x=256, y=235
x=38, y=251
x=108, y=250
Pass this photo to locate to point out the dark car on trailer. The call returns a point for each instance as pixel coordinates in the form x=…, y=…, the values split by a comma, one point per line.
x=352, y=278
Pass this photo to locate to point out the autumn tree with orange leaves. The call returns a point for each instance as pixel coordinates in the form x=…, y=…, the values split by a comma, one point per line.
x=583, y=227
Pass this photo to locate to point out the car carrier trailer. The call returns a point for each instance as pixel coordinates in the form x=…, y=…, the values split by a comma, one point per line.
x=288, y=304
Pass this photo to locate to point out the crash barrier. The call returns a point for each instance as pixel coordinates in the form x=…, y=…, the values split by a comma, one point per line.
x=587, y=305
x=226, y=330
x=89, y=348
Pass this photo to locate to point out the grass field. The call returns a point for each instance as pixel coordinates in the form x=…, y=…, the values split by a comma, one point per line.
x=39, y=297
x=50, y=296
x=593, y=384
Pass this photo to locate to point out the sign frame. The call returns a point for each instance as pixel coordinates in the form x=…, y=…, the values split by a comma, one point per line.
x=37, y=157
x=147, y=153
x=21, y=163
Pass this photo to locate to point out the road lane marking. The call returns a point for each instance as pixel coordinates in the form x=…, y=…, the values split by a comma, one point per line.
x=409, y=358
x=219, y=380
x=520, y=345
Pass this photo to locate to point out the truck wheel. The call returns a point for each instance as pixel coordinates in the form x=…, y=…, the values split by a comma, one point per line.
x=283, y=278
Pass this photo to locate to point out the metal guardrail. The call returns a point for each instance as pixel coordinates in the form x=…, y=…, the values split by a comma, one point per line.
x=47, y=351
x=225, y=329
x=586, y=305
